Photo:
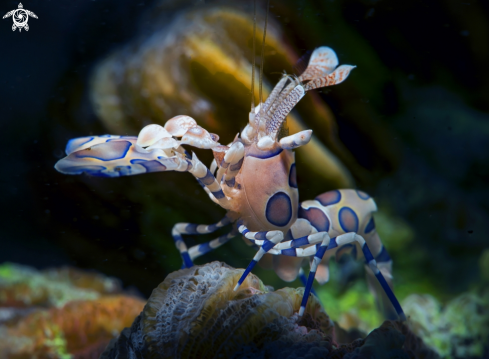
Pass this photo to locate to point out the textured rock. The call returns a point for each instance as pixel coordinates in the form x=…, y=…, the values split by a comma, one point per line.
x=195, y=313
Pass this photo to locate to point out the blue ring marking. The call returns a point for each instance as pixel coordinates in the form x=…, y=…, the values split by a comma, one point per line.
x=383, y=256
x=208, y=179
x=303, y=279
x=368, y=255
x=70, y=143
x=237, y=165
x=177, y=237
x=289, y=252
x=137, y=161
x=307, y=291
x=247, y=271
x=362, y=195
x=205, y=248
x=245, y=231
x=191, y=228
x=231, y=182
x=275, y=213
x=320, y=252
x=390, y=294
x=187, y=154
x=316, y=217
x=123, y=148
x=370, y=226
x=329, y=198
x=153, y=166
x=218, y=194
x=346, y=214
x=239, y=222
x=383, y=283
x=189, y=165
x=212, y=227
x=224, y=164
x=186, y=259
x=332, y=243
x=300, y=241
x=267, y=245
x=293, y=176
x=261, y=235
x=255, y=152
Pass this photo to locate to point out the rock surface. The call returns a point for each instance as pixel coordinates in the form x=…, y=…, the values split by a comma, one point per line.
x=194, y=313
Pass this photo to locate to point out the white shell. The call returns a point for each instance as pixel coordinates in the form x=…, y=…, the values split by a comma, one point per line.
x=165, y=143
x=179, y=125
x=151, y=134
x=198, y=137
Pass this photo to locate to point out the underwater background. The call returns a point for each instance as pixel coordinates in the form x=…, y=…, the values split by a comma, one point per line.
x=410, y=127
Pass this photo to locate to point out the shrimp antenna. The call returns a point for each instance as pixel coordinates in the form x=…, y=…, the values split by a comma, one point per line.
x=252, y=113
x=263, y=53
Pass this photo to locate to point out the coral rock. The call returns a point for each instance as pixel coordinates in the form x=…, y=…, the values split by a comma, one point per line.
x=195, y=313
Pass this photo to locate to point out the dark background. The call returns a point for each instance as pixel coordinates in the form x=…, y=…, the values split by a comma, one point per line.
x=422, y=79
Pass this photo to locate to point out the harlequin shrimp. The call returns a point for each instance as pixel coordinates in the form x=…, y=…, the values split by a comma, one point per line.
x=254, y=179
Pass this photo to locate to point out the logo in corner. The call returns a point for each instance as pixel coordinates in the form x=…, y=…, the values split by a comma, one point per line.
x=20, y=17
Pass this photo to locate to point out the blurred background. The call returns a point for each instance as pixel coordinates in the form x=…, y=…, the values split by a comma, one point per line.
x=409, y=126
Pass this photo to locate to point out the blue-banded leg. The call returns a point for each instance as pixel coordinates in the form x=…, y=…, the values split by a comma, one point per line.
x=191, y=228
x=369, y=260
x=303, y=279
x=384, y=264
x=271, y=245
x=232, y=162
x=208, y=182
x=269, y=240
x=200, y=249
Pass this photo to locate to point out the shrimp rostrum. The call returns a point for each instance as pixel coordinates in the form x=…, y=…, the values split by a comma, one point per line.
x=254, y=179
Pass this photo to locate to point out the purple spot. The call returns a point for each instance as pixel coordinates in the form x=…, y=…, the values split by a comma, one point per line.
x=293, y=176
x=316, y=217
x=348, y=220
x=329, y=198
x=370, y=226
x=153, y=166
x=279, y=209
x=363, y=195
